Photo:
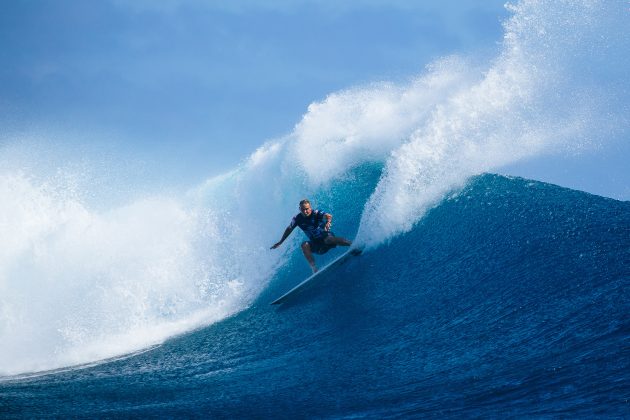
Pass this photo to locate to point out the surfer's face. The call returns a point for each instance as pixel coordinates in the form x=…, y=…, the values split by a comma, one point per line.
x=306, y=209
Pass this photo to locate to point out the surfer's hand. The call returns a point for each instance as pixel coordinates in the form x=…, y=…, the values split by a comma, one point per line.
x=327, y=226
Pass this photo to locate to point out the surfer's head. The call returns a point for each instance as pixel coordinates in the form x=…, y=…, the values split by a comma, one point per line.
x=305, y=207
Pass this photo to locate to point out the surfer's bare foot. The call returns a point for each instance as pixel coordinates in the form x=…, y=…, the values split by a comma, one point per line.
x=314, y=268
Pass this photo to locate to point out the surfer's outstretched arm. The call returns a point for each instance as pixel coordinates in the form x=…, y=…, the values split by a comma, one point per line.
x=285, y=235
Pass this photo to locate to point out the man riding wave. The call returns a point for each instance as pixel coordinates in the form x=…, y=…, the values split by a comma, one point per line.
x=316, y=225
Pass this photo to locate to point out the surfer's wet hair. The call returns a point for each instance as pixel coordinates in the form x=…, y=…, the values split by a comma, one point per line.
x=305, y=201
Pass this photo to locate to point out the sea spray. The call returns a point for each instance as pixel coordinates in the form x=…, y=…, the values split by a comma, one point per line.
x=532, y=99
x=80, y=285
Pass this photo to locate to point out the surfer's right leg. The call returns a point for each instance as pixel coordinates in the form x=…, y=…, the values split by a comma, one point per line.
x=306, y=249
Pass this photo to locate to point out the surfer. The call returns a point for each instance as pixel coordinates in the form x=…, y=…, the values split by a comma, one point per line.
x=316, y=225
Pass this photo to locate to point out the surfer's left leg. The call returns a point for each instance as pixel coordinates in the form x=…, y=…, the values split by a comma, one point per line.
x=306, y=249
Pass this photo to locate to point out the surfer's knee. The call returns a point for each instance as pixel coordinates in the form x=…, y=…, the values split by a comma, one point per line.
x=306, y=246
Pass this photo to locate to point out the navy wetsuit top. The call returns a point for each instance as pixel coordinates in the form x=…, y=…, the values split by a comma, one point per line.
x=312, y=225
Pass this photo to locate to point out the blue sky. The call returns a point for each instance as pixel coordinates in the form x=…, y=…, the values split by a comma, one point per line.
x=193, y=87
x=198, y=85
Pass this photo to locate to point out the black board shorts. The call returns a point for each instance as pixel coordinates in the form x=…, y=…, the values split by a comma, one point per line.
x=318, y=246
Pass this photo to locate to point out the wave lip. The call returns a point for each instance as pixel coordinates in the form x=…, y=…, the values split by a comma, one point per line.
x=531, y=100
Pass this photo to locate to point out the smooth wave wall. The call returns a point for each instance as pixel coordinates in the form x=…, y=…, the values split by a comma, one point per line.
x=80, y=283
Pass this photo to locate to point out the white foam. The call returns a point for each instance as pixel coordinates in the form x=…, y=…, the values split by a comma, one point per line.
x=364, y=124
x=79, y=284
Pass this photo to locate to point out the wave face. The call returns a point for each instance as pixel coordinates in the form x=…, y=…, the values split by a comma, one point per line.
x=509, y=298
x=81, y=282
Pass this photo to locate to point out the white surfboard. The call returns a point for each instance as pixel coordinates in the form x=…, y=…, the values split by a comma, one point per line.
x=353, y=252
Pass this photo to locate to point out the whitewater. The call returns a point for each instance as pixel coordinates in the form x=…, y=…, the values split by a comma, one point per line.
x=81, y=283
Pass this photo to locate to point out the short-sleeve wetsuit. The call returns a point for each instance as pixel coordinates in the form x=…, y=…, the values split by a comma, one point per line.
x=313, y=227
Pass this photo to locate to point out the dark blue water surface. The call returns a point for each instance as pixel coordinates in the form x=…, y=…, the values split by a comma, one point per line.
x=510, y=299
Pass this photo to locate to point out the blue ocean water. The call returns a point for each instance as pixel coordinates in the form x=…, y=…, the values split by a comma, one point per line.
x=509, y=299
